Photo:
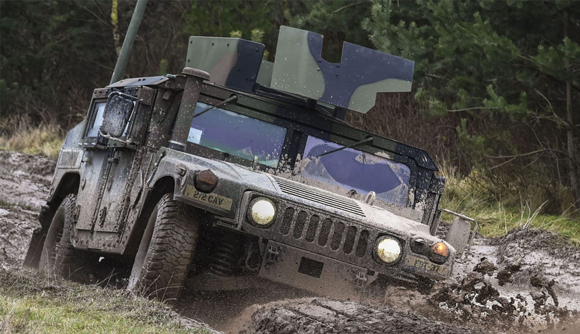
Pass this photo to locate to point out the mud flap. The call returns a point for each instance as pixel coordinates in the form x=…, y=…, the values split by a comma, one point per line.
x=38, y=236
x=458, y=235
x=35, y=248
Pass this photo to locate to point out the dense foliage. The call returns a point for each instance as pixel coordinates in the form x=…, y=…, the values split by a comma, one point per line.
x=496, y=89
x=509, y=69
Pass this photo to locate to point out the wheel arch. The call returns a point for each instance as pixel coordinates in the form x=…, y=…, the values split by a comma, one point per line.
x=163, y=185
x=69, y=184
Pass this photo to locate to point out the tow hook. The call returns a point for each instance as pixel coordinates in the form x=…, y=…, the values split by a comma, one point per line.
x=273, y=254
x=361, y=279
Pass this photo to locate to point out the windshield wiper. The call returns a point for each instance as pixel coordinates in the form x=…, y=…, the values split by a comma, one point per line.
x=217, y=105
x=364, y=141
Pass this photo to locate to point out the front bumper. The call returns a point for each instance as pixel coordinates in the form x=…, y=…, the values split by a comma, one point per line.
x=313, y=272
x=344, y=240
x=326, y=276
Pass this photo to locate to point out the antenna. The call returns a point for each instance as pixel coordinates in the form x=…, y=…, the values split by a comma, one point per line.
x=129, y=39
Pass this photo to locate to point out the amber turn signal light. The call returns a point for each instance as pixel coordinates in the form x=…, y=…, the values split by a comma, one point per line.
x=440, y=249
x=439, y=253
x=206, y=181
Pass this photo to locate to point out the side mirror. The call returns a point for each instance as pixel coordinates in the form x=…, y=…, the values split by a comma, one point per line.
x=459, y=235
x=117, y=113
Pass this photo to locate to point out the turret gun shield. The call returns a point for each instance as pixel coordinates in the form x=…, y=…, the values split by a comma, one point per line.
x=353, y=83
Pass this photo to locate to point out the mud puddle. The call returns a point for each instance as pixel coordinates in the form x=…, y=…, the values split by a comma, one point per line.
x=526, y=281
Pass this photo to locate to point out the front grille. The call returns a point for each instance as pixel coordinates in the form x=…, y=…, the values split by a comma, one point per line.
x=337, y=202
x=331, y=233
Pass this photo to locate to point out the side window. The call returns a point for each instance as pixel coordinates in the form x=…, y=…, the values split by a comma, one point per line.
x=99, y=109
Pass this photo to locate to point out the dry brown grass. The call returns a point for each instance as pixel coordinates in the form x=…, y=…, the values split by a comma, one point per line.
x=467, y=195
x=45, y=139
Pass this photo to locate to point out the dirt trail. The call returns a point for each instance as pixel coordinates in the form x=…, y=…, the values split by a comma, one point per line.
x=24, y=184
x=526, y=281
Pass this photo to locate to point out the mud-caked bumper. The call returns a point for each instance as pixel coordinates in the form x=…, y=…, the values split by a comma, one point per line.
x=312, y=272
x=330, y=277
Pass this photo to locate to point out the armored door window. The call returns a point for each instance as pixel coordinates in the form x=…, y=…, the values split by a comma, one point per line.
x=241, y=136
x=97, y=120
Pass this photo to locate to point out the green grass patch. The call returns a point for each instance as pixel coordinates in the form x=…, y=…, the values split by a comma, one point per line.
x=32, y=303
x=496, y=218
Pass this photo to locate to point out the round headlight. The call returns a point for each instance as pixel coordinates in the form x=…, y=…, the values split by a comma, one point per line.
x=389, y=250
x=262, y=211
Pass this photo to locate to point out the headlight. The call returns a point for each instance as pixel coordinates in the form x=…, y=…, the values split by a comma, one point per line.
x=388, y=250
x=262, y=211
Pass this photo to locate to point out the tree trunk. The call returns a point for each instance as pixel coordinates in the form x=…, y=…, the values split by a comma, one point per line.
x=572, y=152
x=115, y=23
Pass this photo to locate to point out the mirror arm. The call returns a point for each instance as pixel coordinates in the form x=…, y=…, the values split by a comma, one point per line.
x=127, y=96
x=132, y=118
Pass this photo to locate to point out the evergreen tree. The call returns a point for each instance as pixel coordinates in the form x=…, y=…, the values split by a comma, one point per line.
x=509, y=68
x=338, y=20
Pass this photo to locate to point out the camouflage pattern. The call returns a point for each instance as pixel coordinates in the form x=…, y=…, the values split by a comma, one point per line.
x=353, y=83
x=299, y=68
x=265, y=74
x=231, y=62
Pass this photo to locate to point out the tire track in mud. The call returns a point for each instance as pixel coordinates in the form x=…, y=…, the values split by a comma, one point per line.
x=321, y=315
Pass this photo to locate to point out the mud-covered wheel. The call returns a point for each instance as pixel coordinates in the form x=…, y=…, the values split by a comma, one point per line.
x=165, y=251
x=58, y=256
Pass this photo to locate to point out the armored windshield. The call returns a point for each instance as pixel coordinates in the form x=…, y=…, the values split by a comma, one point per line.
x=238, y=135
x=354, y=170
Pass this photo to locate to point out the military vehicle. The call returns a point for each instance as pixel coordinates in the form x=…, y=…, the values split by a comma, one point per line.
x=239, y=171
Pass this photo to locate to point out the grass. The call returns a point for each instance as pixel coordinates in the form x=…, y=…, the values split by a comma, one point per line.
x=44, y=139
x=33, y=303
x=496, y=218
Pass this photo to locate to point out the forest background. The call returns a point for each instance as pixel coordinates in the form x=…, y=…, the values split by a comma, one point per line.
x=495, y=97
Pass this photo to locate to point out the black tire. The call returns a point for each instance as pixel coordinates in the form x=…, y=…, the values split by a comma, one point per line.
x=59, y=257
x=165, y=251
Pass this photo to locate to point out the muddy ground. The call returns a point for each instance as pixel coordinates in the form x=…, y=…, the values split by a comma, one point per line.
x=526, y=281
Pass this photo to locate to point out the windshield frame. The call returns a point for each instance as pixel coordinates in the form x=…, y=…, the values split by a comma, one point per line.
x=302, y=121
x=295, y=143
x=207, y=152
x=367, y=148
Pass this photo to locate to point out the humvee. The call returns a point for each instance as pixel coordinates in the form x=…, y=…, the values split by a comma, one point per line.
x=239, y=171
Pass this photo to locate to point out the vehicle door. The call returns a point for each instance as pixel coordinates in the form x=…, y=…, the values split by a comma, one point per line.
x=113, y=158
